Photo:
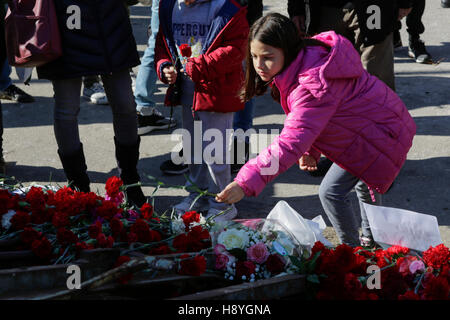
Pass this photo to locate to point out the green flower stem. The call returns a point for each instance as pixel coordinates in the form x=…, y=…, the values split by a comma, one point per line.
x=148, y=245
x=217, y=215
x=62, y=256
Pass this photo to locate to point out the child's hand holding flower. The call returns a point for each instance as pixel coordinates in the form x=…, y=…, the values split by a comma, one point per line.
x=170, y=74
x=231, y=194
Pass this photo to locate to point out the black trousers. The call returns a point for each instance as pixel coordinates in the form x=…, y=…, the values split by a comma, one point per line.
x=414, y=23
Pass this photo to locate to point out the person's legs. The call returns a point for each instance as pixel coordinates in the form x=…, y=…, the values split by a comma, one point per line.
x=146, y=77
x=415, y=28
x=242, y=119
x=121, y=100
x=377, y=59
x=149, y=118
x=8, y=90
x=414, y=23
x=216, y=169
x=93, y=90
x=193, y=156
x=65, y=126
x=5, y=79
x=67, y=108
x=334, y=195
x=126, y=140
x=364, y=196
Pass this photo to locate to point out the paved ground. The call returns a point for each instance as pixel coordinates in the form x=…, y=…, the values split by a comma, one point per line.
x=422, y=186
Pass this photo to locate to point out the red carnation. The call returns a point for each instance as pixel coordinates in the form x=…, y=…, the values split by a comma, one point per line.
x=162, y=249
x=185, y=50
x=436, y=288
x=180, y=242
x=147, y=211
x=121, y=260
x=396, y=251
x=192, y=266
x=437, y=257
x=189, y=217
x=95, y=229
x=198, y=239
x=104, y=242
x=20, y=220
x=36, y=198
x=60, y=219
x=116, y=227
x=66, y=237
x=244, y=268
x=42, y=248
x=79, y=246
x=409, y=295
x=113, y=185
x=275, y=264
x=28, y=235
x=132, y=237
x=107, y=210
x=142, y=230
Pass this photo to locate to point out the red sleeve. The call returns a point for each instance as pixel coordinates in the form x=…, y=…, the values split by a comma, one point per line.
x=229, y=54
x=162, y=55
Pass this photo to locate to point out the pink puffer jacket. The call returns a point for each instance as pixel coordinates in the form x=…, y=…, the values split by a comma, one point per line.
x=336, y=108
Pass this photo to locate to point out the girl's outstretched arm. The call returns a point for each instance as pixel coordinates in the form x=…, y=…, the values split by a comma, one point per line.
x=231, y=194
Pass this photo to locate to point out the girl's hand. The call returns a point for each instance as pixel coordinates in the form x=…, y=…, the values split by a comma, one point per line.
x=308, y=163
x=231, y=194
x=170, y=74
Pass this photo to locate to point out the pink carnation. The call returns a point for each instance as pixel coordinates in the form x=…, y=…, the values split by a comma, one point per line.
x=221, y=261
x=117, y=200
x=258, y=253
x=415, y=266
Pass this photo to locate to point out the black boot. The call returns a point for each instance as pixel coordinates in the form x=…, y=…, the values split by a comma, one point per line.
x=74, y=166
x=127, y=158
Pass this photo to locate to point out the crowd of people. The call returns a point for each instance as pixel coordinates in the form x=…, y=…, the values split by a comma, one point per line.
x=237, y=54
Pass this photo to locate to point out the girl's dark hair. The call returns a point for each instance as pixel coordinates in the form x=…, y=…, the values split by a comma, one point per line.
x=277, y=31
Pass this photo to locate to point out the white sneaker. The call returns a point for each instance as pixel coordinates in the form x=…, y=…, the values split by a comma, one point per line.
x=227, y=216
x=185, y=205
x=96, y=93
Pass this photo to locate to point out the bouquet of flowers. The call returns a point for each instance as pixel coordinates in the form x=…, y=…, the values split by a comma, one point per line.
x=249, y=250
x=344, y=273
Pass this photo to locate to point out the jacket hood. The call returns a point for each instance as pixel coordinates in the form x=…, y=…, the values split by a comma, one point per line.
x=315, y=64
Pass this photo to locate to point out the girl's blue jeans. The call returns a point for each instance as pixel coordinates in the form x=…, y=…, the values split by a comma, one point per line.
x=334, y=194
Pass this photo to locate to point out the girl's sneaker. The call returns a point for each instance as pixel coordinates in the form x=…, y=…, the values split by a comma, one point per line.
x=185, y=205
x=227, y=216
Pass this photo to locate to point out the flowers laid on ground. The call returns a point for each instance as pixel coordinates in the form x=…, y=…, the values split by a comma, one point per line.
x=341, y=273
x=57, y=224
x=249, y=250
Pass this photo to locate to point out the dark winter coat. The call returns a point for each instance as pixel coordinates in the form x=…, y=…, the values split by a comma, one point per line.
x=310, y=9
x=104, y=43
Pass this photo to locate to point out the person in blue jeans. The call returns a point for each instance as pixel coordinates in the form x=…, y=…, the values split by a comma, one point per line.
x=9, y=91
x=242, y=119
x=149, y=118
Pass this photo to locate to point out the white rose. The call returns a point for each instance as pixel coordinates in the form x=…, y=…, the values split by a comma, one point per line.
x=233, y=238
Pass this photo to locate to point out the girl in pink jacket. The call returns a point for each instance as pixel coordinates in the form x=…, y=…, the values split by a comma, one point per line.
x=334, y=107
